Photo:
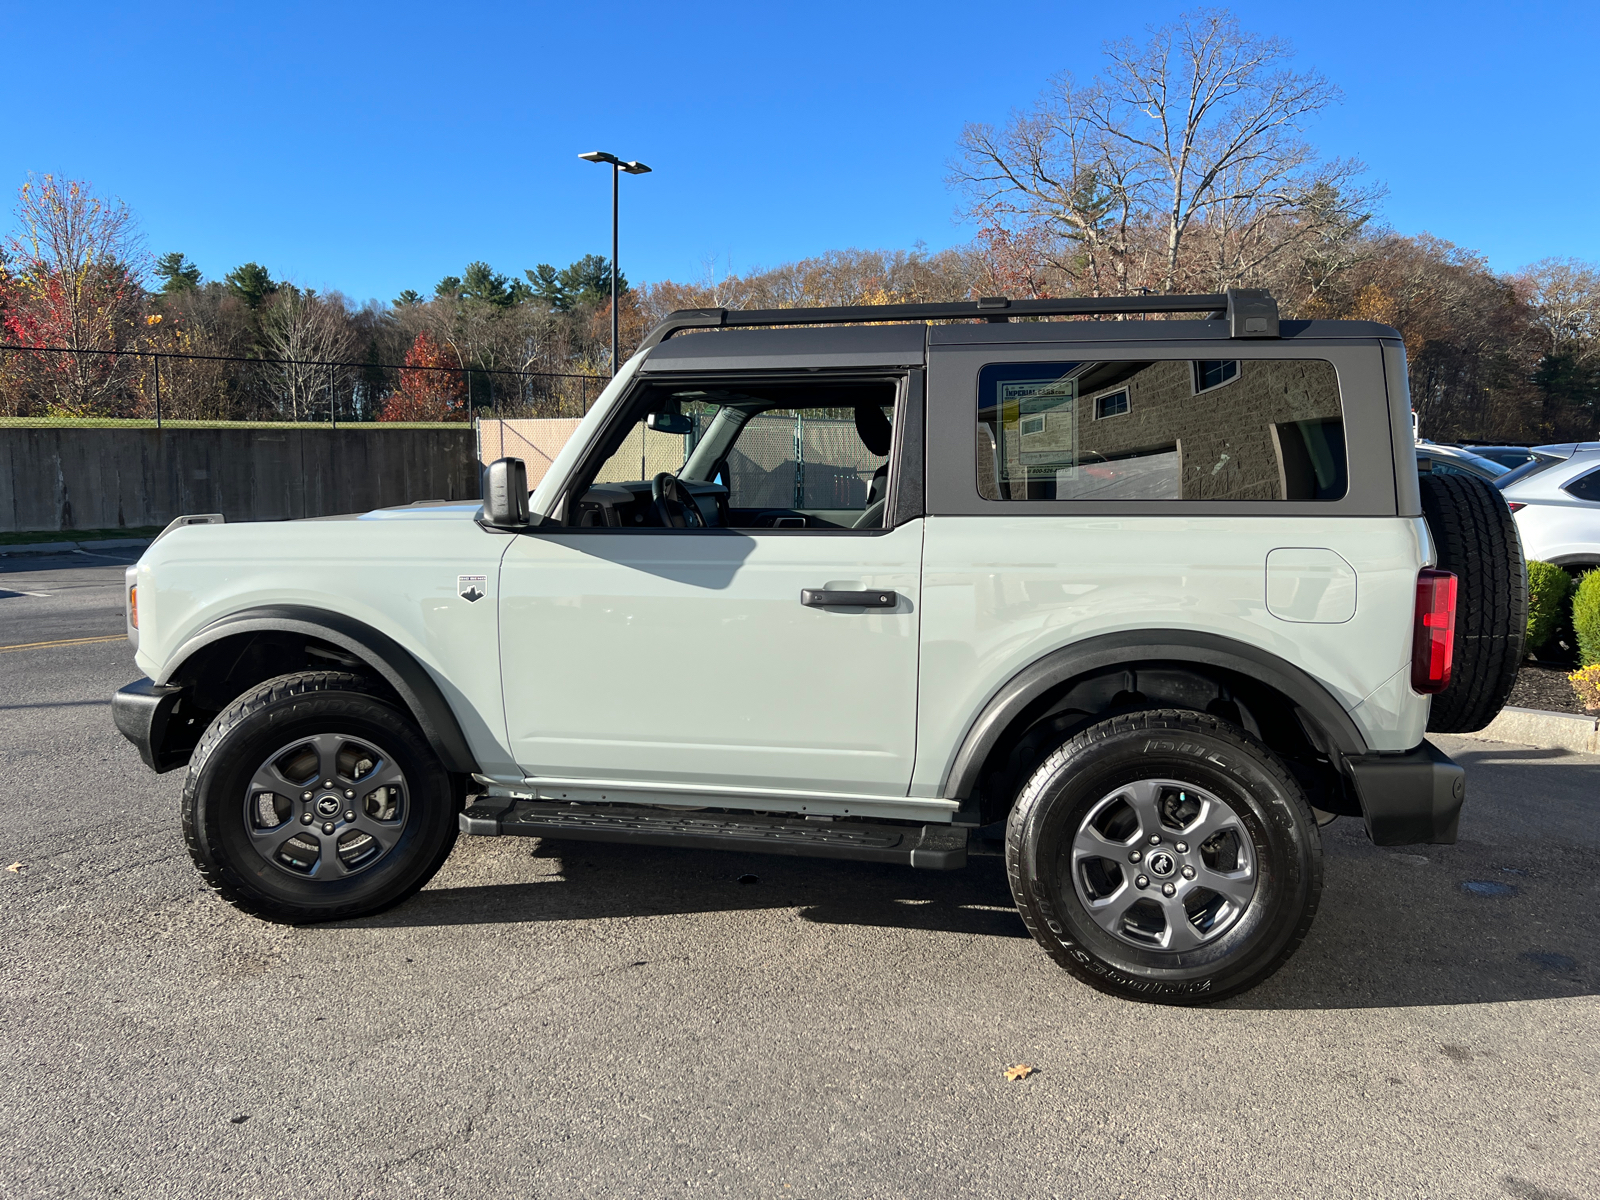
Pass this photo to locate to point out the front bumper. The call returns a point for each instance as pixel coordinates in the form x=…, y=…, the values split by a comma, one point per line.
x=1409, y=798
x=156, y=719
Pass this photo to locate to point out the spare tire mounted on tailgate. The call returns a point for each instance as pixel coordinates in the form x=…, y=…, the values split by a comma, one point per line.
x=1476, y=539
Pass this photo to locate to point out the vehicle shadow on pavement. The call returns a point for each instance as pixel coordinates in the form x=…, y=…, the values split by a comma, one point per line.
x=609, y=880
x=1505, y=914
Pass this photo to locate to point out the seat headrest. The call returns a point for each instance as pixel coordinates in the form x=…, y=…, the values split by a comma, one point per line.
x=876, y=432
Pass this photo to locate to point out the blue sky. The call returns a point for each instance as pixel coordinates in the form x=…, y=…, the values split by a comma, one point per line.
x=377, y=147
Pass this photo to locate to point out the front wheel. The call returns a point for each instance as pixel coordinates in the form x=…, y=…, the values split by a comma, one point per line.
x=1165, y=856
x=312, y=797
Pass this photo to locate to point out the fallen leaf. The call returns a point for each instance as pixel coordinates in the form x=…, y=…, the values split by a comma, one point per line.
x=16, y=868
x=1020, y=1071
x=240, y=1119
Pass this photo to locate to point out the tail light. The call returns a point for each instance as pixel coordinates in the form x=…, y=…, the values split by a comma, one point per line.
x=133, y=606
x=1514, y=505
x=1433, y=637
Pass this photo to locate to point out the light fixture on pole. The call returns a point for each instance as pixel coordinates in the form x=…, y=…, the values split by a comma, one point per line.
x=617, y=167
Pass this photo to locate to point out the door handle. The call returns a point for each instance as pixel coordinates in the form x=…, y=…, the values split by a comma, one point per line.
x=834, y=598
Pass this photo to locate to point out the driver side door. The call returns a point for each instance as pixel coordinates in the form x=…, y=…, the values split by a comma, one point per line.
x=690, y=660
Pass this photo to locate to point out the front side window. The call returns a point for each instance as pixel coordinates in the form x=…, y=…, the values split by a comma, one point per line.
x=1276, y=432
x=753, y=454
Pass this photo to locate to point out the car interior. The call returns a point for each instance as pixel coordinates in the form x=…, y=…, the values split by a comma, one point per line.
x=769, y=455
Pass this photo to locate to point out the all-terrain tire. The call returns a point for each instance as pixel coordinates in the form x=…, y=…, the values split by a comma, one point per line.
x=1476, y=539
x=275, y=715
x=1261, y=799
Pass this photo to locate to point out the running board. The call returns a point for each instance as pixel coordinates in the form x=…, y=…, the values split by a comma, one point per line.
x=933, y=847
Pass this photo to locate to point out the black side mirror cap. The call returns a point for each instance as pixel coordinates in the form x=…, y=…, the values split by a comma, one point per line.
x=505, y=493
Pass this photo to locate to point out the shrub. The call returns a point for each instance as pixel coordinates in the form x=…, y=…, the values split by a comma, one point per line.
x=1548, y=586
x=1586, y=683
x=1586, y=618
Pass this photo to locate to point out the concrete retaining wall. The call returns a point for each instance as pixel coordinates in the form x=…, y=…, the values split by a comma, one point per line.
x=64, y=478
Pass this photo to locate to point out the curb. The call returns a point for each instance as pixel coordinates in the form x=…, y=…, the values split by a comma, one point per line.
x=1546, y=730
x=71, y=547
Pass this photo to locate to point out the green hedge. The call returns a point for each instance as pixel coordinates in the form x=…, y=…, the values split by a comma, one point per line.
x=1548, y=588
x=1586, y=618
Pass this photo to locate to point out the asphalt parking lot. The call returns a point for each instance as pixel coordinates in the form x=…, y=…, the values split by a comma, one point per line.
x=568, y=1020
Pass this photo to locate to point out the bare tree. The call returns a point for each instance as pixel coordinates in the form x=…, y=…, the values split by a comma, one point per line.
x=1564, y=295
x=303, y=332
x=1198, y=130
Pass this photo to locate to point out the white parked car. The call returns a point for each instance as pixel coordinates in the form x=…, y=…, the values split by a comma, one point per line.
x=1146, y=601
x=1557, y=508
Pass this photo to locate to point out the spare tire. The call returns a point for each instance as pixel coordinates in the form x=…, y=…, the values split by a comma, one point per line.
x=1476, y=539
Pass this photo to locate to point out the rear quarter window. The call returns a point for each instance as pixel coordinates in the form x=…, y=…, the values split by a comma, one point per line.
x=1175, y=429
x=1585, y=487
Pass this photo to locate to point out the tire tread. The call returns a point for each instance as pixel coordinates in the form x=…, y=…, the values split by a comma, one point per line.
x=1476, y=538
x=1174, y=721
x=265, y=695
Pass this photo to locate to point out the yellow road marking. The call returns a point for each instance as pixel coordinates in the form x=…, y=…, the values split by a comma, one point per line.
x=115, y=637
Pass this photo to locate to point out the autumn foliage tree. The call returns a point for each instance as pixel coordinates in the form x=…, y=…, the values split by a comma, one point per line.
x=73, y=283
x=430, y=389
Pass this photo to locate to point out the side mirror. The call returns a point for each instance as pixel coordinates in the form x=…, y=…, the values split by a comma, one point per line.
x=505, y=493
x=669, y=422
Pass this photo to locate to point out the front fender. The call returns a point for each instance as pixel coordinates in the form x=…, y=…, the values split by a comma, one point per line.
x=387, y=659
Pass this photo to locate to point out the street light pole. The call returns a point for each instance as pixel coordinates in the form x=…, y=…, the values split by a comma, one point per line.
x=617, y=167
x=616, y=176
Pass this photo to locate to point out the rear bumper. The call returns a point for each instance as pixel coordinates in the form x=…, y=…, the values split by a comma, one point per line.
x=1409, y=798
x=153, y=718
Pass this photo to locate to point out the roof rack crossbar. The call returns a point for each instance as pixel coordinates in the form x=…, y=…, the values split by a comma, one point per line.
x=1249, y=312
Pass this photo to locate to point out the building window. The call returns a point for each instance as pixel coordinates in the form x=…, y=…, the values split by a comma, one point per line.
x=1114, y=404
x=1215, y=373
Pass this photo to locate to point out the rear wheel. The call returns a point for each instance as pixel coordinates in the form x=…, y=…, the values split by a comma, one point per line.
x=1165, y=856
x=1476, y=539
x=313, y=798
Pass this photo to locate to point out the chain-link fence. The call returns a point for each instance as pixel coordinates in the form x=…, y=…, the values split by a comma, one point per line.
x=800, y=462
x=164, y=387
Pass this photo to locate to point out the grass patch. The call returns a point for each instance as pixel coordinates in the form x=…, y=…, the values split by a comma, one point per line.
x=77, y=535
x=119, y=423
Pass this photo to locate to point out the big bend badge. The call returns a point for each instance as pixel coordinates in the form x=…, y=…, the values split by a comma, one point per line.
x=472, y=588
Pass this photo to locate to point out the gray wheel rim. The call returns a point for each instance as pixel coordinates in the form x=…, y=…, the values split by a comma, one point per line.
x=326, y=807
x=1163, y=865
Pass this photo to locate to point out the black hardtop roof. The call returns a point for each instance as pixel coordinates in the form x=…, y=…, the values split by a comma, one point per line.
x=905, y=344
x=889, y=333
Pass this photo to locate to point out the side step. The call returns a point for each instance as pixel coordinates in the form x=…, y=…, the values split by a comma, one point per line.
x=933, y=847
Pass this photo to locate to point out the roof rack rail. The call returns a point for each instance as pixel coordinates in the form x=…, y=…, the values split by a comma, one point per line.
x=1250, y=312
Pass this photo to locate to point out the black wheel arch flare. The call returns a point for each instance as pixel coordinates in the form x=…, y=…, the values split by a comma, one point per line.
x=376, y=651
x=1020, y=700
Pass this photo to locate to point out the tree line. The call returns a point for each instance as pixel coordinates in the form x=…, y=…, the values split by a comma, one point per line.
x=251, y=346
x=1182, y=166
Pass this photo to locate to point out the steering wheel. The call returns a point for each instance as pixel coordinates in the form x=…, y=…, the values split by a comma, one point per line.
x=675, y=507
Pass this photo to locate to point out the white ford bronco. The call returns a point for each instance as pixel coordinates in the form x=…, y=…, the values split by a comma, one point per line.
x=1141, y=603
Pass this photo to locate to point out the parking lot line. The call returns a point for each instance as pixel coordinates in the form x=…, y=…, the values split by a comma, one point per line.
x=113, y=637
